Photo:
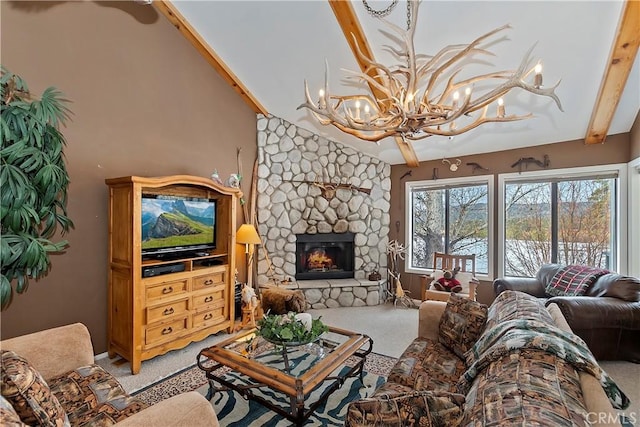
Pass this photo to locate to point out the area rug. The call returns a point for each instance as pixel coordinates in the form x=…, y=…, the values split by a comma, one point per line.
x=233, y=410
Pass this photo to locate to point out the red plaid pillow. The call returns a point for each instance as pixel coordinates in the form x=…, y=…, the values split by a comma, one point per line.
x=573, y=280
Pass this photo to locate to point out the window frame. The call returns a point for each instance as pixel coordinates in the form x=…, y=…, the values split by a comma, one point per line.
x=620, y=211
x=410, y=186
x=633, y=192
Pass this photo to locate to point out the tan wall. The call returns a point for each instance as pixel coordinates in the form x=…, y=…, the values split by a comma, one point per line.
x=144, y=102
x=561, y=155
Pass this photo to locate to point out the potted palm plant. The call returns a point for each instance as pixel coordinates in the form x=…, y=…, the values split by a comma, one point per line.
x=34, y=183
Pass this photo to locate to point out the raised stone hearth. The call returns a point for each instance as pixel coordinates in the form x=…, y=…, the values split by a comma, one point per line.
x=332, y=293
x=308, y=184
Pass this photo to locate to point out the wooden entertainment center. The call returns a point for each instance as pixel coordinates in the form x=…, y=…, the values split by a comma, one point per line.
x=181, y=300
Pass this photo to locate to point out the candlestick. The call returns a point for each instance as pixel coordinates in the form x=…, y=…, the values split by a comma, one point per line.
x=456, y=96
x=358, y=110
x=409, y=99
x=321, y=101
x=305, y=319
x=367, y=115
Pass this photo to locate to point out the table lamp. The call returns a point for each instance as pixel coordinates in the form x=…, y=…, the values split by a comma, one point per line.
x=247, y=235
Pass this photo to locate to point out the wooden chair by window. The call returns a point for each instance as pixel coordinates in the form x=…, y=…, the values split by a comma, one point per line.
x=466, y=276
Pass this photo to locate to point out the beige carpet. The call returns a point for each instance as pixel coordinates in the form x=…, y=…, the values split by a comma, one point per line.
x=627, y=376
x=391, y=328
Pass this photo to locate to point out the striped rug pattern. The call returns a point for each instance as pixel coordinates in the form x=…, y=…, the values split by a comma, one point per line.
x=234, y=410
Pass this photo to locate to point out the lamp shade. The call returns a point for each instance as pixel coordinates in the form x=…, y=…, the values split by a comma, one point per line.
x=247, y=234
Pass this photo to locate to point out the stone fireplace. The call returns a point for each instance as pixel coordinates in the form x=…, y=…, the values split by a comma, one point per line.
x=324, y=256
x=310, y=186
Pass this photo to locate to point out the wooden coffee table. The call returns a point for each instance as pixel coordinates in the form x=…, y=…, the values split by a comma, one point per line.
x=294, y=371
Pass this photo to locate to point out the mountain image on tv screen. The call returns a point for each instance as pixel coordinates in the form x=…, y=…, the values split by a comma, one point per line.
x=168, y=223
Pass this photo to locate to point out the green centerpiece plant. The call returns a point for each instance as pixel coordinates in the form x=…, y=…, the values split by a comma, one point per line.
x=34, y=183
x=289, y=329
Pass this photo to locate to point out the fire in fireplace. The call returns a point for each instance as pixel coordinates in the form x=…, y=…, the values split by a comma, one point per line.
x=324, y=256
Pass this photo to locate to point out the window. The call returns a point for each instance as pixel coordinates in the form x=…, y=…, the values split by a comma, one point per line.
x=564, y=216
x=451, y=216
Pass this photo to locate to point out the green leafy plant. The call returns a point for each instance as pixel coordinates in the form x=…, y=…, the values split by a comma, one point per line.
x=285, y=328
x=34, y=183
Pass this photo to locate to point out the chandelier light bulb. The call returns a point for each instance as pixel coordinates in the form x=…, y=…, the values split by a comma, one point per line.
x=467, y=91
x=500, y=107
x=367, y=115
x=321, y=101
x=537, y=82
x=456, y=96
x=358, y=110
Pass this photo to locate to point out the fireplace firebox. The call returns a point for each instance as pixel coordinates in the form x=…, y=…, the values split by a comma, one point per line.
x=324, y=256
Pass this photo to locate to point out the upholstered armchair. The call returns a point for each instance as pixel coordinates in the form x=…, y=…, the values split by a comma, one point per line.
x=55, y=369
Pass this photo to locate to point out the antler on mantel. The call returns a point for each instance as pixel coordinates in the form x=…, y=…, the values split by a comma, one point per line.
x=421, y=96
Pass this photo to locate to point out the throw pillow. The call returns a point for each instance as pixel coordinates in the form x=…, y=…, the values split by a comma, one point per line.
x=510, y=305
x=419, y=408
x=8, y=416
x=573, y=280
x=461, y=324
x=29, y=393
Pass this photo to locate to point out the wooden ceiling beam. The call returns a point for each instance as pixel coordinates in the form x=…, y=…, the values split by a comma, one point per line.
x=352, y=30
x=623, y=54
x=177, y=20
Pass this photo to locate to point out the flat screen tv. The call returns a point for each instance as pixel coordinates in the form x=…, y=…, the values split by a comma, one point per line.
x=174, y=226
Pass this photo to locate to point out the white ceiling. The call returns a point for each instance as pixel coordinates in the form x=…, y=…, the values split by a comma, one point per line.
x=273, y=46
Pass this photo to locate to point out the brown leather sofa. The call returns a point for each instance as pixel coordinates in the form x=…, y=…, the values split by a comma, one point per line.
x=607, y=317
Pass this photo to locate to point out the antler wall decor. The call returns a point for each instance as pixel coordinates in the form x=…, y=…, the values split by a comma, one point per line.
x=453, y=167
x=328, y=187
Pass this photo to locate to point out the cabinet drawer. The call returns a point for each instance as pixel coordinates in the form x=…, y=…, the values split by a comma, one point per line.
x=208, y=318
x=166, y=289
x=210, y=280
x=165, y=332
x=168, y=310
x=215, y=297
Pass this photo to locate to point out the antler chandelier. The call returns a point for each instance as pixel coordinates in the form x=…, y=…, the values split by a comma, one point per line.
x=421, y=97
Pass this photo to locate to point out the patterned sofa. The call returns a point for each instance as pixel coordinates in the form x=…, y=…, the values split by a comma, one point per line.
x=49, y=379
x=514, y=363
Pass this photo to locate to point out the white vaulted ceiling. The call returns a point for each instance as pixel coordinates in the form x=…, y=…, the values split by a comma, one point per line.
x=273, y=46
